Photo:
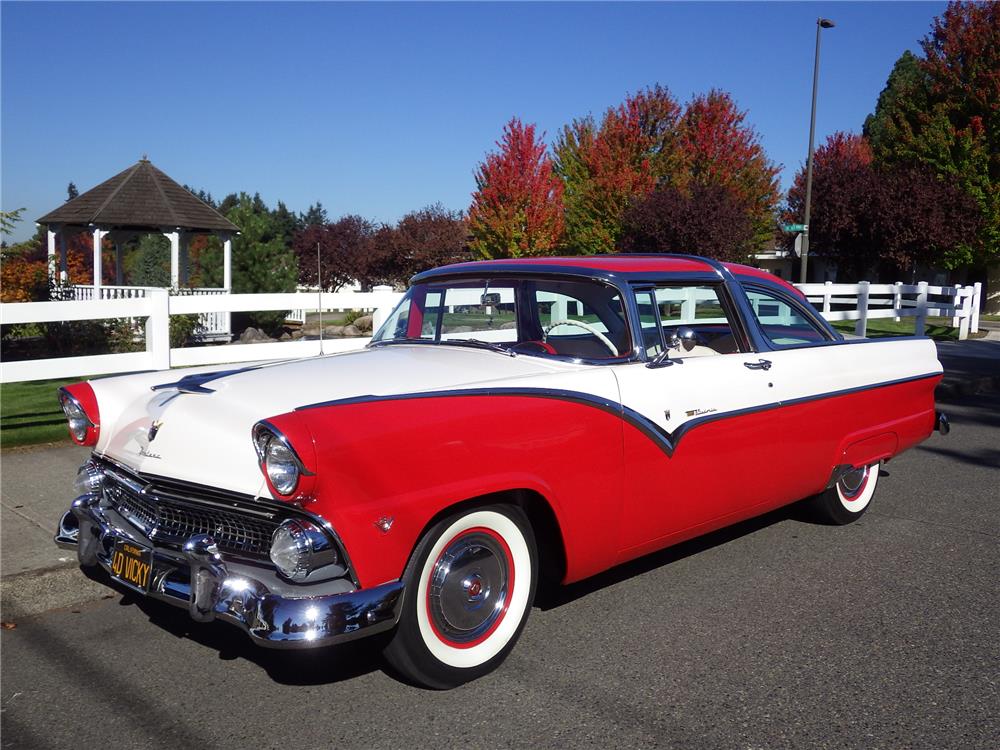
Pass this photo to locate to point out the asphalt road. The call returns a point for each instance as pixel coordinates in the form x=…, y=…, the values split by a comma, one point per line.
x=775, y=633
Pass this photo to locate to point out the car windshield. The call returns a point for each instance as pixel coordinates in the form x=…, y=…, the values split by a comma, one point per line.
x=573, y=318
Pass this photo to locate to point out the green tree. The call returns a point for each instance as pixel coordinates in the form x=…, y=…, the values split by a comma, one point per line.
x=262, y=262
x=150, y=262
x=942, y=112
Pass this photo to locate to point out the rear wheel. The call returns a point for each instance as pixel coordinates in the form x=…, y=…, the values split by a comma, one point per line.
x=848, y=499
x=469, y=589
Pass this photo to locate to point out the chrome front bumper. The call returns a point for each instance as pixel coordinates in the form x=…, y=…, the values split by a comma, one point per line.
x=198, y=578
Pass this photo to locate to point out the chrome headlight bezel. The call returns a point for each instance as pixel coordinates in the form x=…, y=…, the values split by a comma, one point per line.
x=278, y=459
x=89, y=478
x=76, y=415
x=299, y=547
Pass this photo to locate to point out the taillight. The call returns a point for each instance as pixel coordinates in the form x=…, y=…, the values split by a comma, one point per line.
x=79, y=404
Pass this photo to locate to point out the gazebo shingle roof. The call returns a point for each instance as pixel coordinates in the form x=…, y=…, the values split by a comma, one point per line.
x=141, y=196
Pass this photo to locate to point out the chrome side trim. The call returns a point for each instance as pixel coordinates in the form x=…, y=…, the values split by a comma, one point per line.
x=666, y=441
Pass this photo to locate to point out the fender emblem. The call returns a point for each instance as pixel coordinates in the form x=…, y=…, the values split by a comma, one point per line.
x=384, y=524
x=153, y=429
x=699, y=412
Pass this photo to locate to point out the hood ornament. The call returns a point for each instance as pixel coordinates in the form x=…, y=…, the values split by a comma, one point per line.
x=153, y=429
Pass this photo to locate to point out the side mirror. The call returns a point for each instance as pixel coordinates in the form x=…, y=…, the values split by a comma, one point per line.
x=684, y=337
x=490, y=299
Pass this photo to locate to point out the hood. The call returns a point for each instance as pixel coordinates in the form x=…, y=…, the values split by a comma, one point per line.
x=204, y=436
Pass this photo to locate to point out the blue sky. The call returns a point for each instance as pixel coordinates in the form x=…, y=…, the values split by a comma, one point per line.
x=379, y=109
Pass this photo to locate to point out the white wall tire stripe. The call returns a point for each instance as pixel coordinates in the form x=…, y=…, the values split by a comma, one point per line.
x=855, y=503
x=518, y=597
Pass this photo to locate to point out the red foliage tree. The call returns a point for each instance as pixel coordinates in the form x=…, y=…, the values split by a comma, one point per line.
x=866, y=215
x=517, y=207
x=704, y=220
x=719, y=148
x=346, y=253
x=423, y=239
x=605, y=168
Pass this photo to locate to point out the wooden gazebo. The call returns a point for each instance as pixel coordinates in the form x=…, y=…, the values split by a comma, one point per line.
x=140, y=200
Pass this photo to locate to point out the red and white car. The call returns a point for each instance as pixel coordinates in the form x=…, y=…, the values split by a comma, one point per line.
x=510, y=419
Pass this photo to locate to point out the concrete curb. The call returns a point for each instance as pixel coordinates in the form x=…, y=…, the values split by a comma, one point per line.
x=37, y=591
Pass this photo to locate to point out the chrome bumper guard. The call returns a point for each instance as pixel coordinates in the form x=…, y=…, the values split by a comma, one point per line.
x=198, y=578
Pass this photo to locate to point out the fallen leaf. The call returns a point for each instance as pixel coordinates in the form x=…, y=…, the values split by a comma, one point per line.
x=7, y=625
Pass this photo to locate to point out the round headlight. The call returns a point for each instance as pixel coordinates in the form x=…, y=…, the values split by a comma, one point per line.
x=299, y=547
x=78, y=419
x=282, y=467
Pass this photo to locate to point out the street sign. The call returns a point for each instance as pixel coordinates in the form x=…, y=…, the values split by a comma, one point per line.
x=794, y=227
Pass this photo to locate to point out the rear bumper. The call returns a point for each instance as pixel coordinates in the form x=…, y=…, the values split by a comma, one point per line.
x=209, y=587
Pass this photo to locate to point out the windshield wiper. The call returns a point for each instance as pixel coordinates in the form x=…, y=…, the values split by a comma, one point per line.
x=471, y=343
x=480, y=344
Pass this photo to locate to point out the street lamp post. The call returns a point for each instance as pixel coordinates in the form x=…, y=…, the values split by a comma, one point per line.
x=821, y=23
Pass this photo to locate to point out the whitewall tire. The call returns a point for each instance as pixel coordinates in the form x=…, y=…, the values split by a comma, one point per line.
x=848, y=499
x=469, y=589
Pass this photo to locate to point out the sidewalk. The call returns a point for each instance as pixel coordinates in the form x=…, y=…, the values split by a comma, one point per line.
x=37, y=487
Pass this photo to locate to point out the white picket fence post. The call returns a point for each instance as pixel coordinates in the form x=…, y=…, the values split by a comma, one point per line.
x=827, y=293
x=158, y=329
x=920, y=325
x=862, y=325
x=977, y=298
x=956, y=301
x=897, y=299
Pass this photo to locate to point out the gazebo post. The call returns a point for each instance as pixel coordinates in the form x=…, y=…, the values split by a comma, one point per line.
x=53, y=269
x=227, y=262
x=175, y=252
x=97, y=262
x=63, y=263
x=119, y=274
x=185, y=260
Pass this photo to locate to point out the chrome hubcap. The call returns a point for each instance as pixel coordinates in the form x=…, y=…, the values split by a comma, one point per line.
x=468, y=590
x=853, y=482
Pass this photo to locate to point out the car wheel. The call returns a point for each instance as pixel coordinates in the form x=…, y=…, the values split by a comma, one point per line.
x=469, y=588
x=848, y=499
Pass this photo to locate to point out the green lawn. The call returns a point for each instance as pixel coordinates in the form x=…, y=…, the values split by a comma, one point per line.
x=30, y=413
x=937, y=328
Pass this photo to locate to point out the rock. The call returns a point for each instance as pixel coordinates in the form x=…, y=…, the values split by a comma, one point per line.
x=352, y=330
x=510, y=324
x=311, y=329
x=296, y=335
x=330, y=331
x=364, y=323
x=253, y=336
x=286, y=336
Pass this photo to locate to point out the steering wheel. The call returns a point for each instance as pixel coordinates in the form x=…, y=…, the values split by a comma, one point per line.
x=585, y=326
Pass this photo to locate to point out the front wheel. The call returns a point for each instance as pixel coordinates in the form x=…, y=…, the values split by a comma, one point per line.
x=469, y=589
x=848, y=499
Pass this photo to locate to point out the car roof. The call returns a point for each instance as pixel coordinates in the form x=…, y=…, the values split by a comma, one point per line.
x=629, y=265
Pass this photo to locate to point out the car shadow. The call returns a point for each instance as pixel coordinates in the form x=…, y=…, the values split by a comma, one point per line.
x=332, y=664
x=551, y=596
x=315, y=666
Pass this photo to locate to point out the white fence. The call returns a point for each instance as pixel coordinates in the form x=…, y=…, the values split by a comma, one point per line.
x=214, y=326
x=865, y=301
x=157, y=306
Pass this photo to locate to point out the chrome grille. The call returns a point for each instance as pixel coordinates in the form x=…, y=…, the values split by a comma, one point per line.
x=171, y=521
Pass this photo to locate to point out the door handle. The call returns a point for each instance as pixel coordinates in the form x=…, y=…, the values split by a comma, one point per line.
x=760, y=364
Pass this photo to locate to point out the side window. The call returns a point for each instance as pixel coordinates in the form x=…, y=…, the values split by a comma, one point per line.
x=781, y=322
x=698, y=313
x=652, y=341
x=583, y=319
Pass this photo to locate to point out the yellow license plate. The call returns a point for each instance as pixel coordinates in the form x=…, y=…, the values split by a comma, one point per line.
x=132, y=565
